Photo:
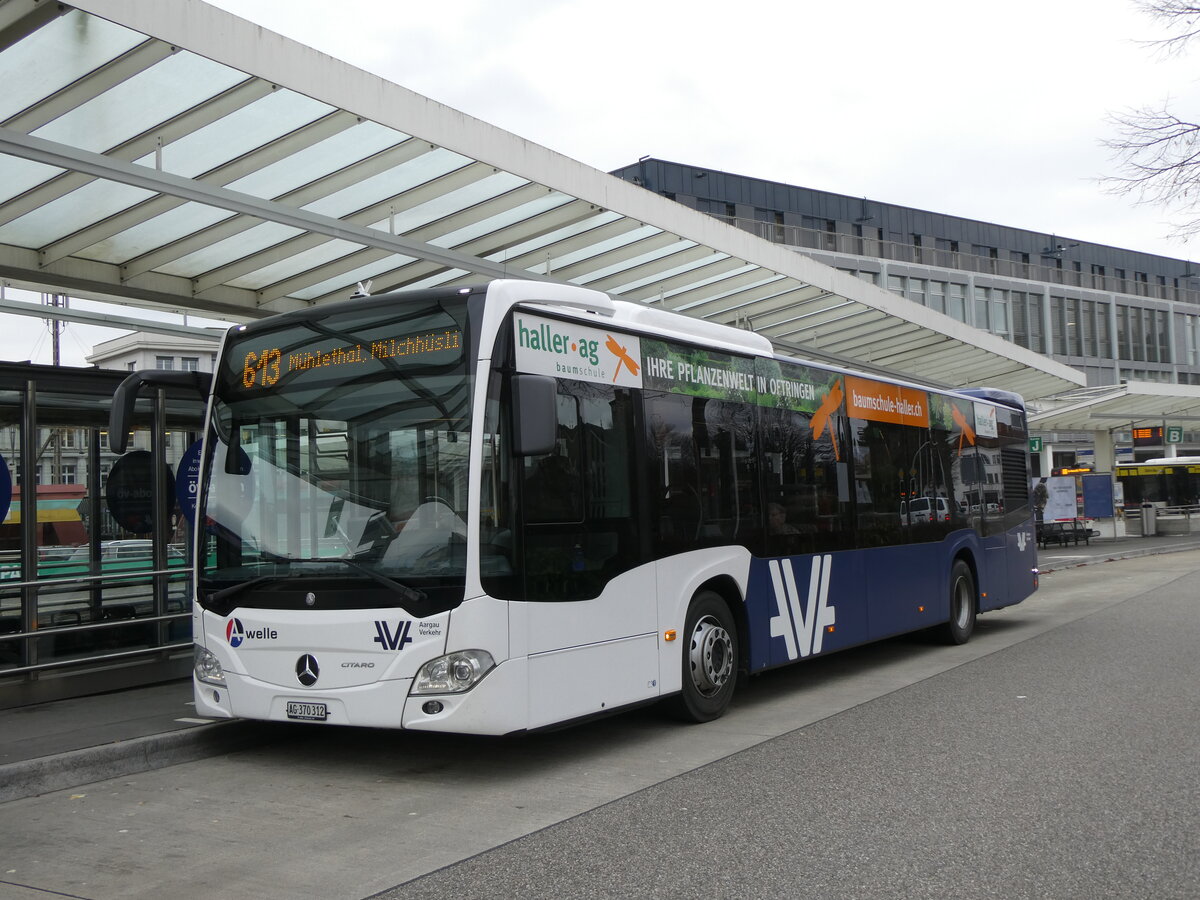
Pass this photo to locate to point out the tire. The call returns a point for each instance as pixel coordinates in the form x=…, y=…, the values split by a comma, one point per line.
x=963, y=605
x=710, y=660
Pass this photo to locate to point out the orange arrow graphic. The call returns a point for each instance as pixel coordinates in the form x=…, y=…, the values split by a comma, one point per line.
x=967, y=431
x=829, y=406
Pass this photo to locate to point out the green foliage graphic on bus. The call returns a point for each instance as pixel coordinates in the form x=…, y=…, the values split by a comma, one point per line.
x=679, y=369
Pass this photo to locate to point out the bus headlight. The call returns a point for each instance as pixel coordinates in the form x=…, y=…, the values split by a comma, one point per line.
x=453, y=673
x=206, y=666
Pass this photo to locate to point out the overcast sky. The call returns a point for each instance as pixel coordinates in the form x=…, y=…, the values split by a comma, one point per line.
x=990, y=111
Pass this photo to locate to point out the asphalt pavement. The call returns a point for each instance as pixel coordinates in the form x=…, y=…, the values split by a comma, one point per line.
x=54, y=746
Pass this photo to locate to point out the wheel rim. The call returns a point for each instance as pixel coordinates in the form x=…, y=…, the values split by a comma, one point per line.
x=711, y=656
x=962, y=603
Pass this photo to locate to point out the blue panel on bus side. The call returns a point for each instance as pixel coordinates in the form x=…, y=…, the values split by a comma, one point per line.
x=908, y=586
x=1020, y=559
x=804, y=605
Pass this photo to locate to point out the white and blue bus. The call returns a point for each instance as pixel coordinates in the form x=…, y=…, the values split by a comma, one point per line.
x=496, y=509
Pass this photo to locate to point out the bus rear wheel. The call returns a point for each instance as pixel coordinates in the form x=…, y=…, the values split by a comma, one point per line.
x=962, y=606
x=710, y=655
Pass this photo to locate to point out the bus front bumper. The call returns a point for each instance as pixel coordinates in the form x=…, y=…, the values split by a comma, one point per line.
x=497, y=705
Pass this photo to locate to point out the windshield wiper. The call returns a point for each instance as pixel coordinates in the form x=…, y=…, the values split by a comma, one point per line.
x=410, y=594
x=213, y=599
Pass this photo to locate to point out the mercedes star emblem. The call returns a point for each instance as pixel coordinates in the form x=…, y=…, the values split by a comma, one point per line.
x=307, y=670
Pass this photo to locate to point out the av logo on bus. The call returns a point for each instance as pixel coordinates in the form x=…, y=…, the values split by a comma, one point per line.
x=389, y=640
x=802, y=627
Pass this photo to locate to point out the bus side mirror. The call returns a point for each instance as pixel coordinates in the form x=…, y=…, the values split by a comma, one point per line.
x=535, y=414
x=125, y=396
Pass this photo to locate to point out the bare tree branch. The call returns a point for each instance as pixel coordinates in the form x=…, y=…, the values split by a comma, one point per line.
x=1157, y=152
x=1177, y=16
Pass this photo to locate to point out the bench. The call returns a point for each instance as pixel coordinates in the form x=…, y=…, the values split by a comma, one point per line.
x=1063, y=533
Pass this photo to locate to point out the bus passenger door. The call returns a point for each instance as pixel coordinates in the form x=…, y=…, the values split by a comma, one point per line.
x=591, y=619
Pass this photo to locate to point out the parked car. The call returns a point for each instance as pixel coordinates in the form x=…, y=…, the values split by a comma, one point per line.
x=927, y=509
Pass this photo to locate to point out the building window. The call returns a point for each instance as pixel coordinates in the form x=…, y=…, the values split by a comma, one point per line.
x=937, y=296
x=1104, y=346
x=190, y=363
x=68, y=475
x=164, y=362
x=956, y=302
x=1137, y=335
x=1058, y=325
x=916, y=290
x=1087, y=327
x=982, y=320
x=999, y=312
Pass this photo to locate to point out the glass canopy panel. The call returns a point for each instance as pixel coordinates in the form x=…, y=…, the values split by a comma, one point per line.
x=19, y=175
x=362, y=273
x=502, y=220
x=614, y=243
x=562, y=234
x=57, y=54
x=669, y=273
x=246, y=243
x=369, y=191
x=703, y=282
x=321, y=159
x=740, y=289
x=242, y=131
x=455, y=201
x=648, y=257
x=157, y=232
x=139, y=104
x=439, y=278
x=294, y=265
x=66, y=215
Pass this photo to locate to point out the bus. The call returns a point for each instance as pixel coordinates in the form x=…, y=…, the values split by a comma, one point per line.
x=503, y=508
x=1171, y=482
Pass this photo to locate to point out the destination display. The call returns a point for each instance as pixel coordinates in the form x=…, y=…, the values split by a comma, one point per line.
x=262, y=368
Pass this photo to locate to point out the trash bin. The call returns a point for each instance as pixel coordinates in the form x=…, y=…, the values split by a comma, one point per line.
x=1148, y=524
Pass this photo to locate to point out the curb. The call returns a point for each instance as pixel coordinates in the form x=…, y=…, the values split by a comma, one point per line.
x=45, y=774
x=1124, y=554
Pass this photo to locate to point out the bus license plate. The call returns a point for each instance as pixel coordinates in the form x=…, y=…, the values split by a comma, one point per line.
x=313, y=712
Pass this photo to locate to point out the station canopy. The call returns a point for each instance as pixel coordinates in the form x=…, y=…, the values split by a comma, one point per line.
x=171, y=155
x=1112, y=407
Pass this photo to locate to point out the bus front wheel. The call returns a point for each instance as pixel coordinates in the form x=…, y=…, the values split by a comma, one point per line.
x=962, y=605
x=710, y=654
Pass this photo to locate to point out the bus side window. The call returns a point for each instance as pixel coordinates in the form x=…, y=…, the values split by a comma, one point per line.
x=553, y=488
x=579, y=503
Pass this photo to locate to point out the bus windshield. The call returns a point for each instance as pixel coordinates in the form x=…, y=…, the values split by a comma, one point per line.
x=339, y=450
